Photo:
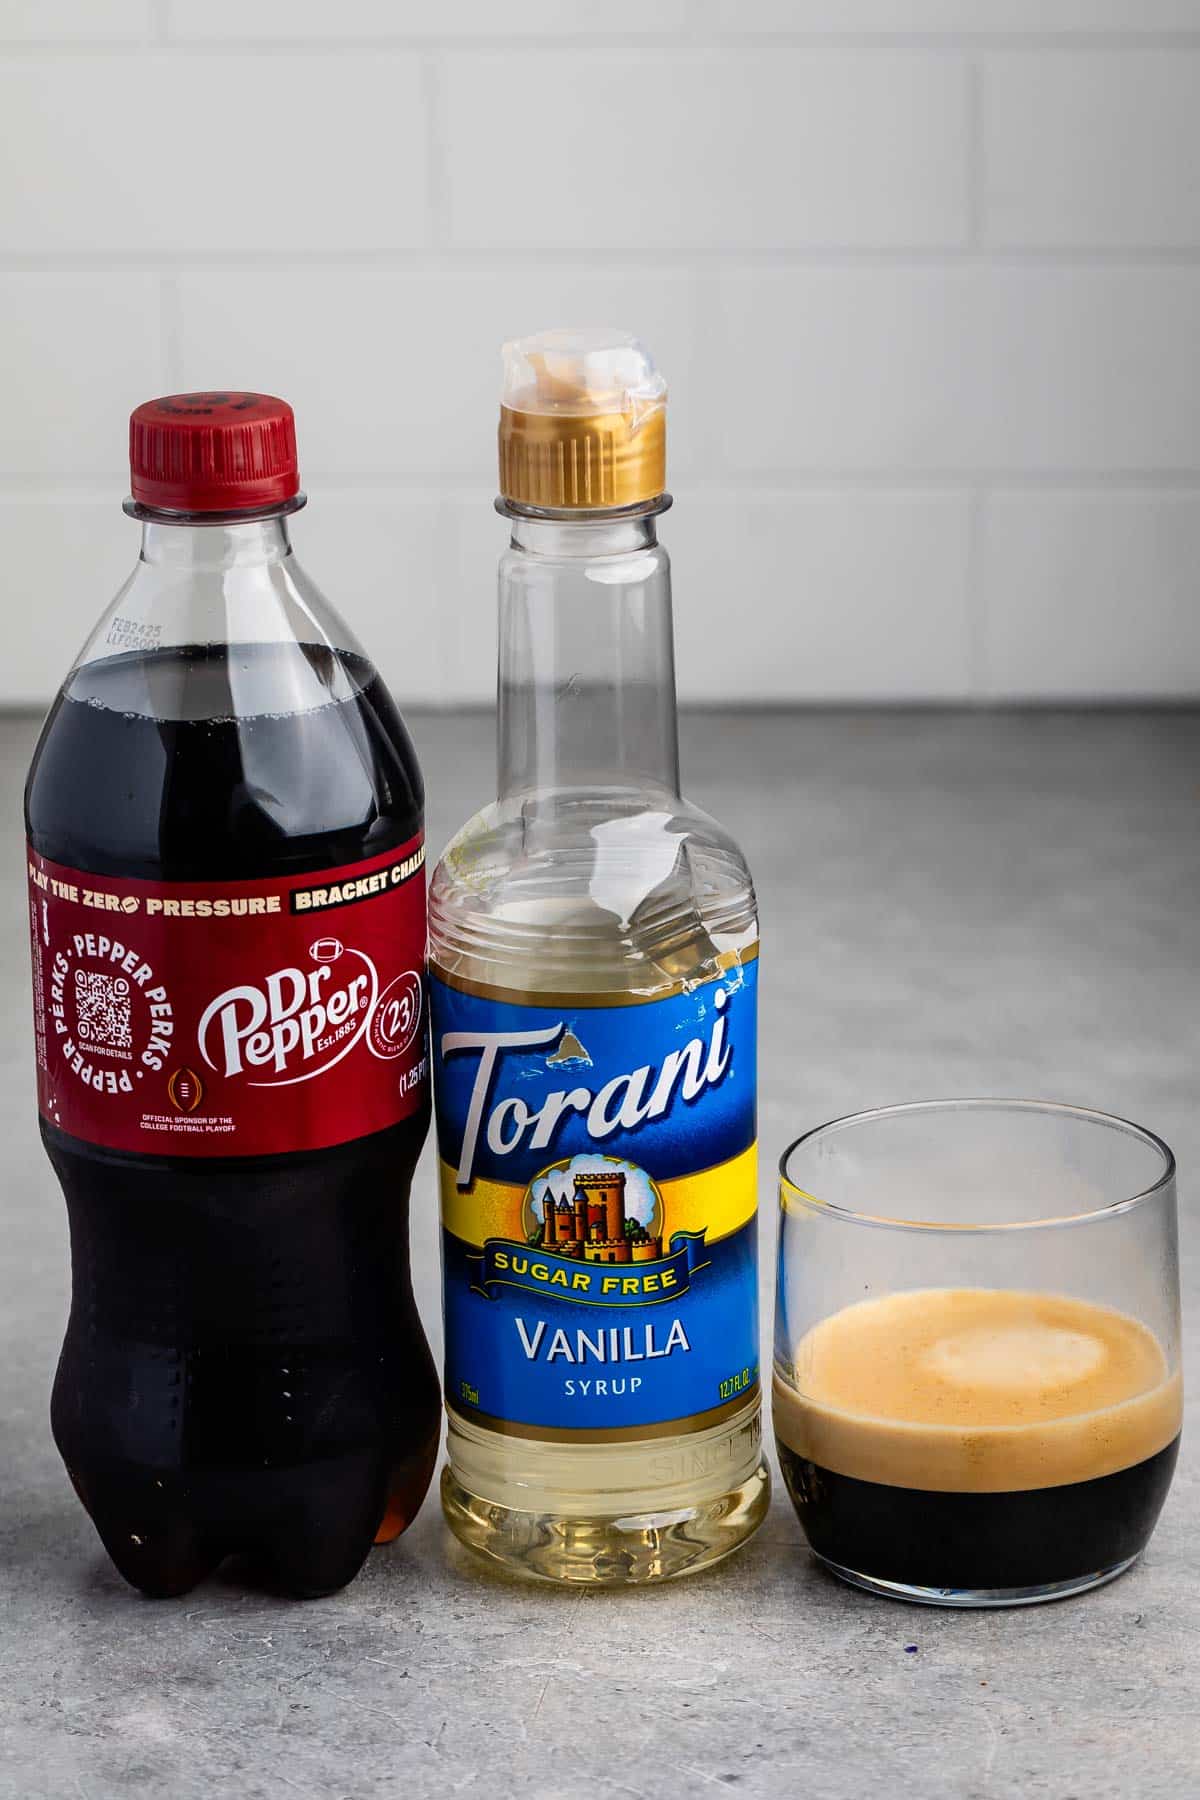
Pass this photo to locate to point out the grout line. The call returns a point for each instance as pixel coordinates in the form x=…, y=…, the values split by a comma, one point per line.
x=685, y=39
x=159, y=23
x=779, y=483
x=76, y=490
x=694, y=261
x=83, y=45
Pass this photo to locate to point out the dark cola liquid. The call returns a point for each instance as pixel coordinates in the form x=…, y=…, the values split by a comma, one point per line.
x=247, y=1322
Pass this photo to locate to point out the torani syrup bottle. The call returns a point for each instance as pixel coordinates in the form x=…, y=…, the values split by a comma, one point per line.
x=593, y=972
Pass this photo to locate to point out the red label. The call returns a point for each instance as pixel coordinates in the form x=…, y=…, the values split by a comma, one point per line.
x=238, y=1018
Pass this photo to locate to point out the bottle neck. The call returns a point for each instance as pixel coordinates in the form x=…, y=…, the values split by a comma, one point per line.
x=198, y=586
x=230, y=544
x=587, y=669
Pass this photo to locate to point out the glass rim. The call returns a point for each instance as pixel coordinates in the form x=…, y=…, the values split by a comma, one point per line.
x=1052, y=1108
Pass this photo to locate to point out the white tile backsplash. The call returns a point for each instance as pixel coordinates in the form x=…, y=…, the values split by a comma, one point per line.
x=962, y=368
x=1085, y=594
x=110, y=154
x=65, y=558
x=284, y=21
x=1049, y=20
x=80, y=352
x=1098, y=149
x=712, y=149
x=75, y=21
x=398, y=373
x=924, y=277
x=828, y=580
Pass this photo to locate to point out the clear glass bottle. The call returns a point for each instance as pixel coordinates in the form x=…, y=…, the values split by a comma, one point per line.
x=593, y=955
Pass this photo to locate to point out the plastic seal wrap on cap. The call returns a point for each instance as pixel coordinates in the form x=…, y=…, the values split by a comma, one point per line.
x=581, y=372
x=582, y=421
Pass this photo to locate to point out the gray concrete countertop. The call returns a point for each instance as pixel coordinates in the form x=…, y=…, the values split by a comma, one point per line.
x=951, y=904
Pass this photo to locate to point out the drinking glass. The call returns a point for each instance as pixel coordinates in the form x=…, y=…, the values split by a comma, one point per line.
x=977, y=1392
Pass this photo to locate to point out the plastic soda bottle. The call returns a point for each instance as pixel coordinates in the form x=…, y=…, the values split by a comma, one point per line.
x=227, y=905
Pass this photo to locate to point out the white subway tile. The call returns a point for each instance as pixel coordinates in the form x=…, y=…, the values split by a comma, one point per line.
x=284, y=21
x=855, y=596
x=843, y=369
x=821, y=596
x=928, y=369
x=80, y=352
x=392, y=566
x=1092, y=149
x=952, y=18
x=805, y=597
x=69, y=21
x=287, y=21
x=710, y=150
x=1091, y=595
x=401, y=372
x=474, y=538
x=65, y=558
x=375, y=558
x=179, y=153
x=414, y=575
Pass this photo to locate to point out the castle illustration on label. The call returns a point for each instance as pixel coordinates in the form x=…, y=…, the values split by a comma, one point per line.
x=593, y=1223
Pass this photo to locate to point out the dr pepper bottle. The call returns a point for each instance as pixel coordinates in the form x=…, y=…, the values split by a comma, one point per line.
x=227, y=903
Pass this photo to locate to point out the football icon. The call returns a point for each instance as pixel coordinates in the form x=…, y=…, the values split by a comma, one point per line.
x=185, y=1090
x=325, y=950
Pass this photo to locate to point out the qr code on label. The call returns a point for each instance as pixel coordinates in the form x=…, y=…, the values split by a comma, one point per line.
x=103, y=1010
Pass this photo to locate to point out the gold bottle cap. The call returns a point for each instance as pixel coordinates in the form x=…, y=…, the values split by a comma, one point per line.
x=583, y=421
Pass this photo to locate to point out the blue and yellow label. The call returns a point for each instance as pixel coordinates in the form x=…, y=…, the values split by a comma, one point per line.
x=599, y=1202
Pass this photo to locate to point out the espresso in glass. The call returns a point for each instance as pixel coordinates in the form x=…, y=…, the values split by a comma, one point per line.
x=978, y=1438
x=952, y=1436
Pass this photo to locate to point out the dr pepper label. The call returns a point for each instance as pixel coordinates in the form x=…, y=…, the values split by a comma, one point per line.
x=236, y=1018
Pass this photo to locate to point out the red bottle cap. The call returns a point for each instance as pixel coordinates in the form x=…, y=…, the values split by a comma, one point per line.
x=199, y=453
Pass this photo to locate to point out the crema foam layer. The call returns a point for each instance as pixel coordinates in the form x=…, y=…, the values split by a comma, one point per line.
x=978, y=1390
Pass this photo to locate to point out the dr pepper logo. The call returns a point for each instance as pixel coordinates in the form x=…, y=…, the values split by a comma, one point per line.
x=301, y=1021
